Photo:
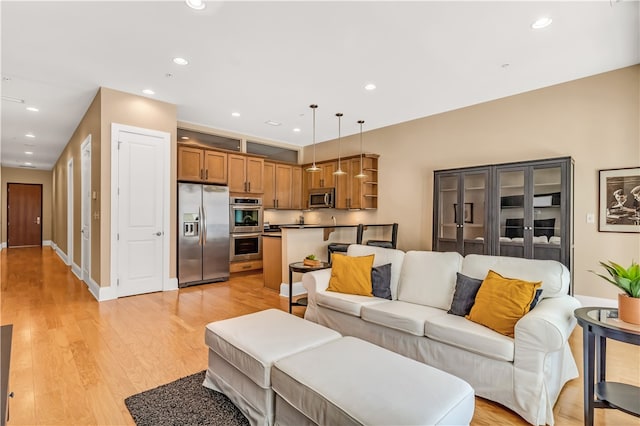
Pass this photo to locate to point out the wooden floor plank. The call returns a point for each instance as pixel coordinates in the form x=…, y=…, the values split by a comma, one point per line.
x=75, y=360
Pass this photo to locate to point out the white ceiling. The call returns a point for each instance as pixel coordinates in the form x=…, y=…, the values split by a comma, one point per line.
x=270, y=60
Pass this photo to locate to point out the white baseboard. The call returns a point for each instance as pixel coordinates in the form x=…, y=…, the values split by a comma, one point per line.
x=3, y=245
x=47, y=243
x=62, y=255
x=76, y=271
x=172, y=284
x=298, y=289
x=596, y=301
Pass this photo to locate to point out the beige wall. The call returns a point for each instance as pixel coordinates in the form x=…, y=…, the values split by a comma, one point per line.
x=89, y=125
x=595, y=120
x=20, y=175
x=109, y=106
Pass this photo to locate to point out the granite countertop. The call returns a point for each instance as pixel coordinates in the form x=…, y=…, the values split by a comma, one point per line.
x=310, y=226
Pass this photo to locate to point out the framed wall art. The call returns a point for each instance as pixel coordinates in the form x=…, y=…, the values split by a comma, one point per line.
x=467, y=213
x=619, y=207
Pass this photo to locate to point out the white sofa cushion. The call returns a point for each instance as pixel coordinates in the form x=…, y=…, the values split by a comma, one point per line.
x=382, y=257
x=462, y=333
x=554, y=275
x=403, y=316
x=346, y=303
x=429, y=278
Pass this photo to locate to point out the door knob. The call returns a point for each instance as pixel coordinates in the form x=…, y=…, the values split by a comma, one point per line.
x=158, y=234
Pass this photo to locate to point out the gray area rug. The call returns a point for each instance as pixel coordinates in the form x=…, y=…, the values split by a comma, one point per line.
x=184, y=402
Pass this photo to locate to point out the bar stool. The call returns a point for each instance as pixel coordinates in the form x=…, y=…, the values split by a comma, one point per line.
x=342, y=247
x=386, y=244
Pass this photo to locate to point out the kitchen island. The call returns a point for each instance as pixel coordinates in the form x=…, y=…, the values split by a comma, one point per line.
x=298, y=241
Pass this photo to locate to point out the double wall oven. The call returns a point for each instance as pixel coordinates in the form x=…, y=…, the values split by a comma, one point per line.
x=245, y=222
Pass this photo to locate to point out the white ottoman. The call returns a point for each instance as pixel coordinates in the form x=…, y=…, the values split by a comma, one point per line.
x=243, y=349
x=353, y=382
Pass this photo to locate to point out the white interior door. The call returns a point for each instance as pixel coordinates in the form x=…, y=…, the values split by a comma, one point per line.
x=142, y=169
x=85, y=230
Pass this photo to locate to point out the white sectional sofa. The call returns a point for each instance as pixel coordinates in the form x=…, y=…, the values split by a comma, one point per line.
x=524, y=373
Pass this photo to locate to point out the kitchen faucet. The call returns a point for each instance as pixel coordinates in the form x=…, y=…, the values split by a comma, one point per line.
x=334, y=220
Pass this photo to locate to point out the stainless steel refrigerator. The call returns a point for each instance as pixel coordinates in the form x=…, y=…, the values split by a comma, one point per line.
x=203, y=233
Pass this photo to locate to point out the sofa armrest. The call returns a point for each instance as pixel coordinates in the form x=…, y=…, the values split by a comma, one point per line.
x=548, y=326
x=315, y=281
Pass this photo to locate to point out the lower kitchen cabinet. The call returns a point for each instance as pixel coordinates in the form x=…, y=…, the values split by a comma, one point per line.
x=272, y=261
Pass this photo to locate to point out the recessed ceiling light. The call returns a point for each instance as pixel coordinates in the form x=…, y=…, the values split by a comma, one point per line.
x=180, y=61
x=27, y=163
x=235, y=114
x=196, y=4
x=148, y=92
x=541, y=23
x=370, y=86
x=184, y=138
x=296, y=130
x=30, y=135
x=29, y=152
x=272, y=123
x=32, y=109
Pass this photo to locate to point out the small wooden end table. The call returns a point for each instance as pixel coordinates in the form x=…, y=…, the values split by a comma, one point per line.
x=302, y=268
x=598, y=325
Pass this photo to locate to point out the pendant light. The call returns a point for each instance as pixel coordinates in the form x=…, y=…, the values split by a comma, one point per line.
x=313, y=167
x=339, y=171
x=361, y=175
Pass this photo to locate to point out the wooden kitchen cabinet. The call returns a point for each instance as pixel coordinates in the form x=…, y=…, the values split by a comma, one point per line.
x=282, y=186
x=201, y=165
x=246, y=174
x=358, y=193
x=272, y=262
x=351, y=192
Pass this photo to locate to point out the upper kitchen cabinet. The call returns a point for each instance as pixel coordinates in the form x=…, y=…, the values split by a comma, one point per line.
x=461, y=206
x=324, y=178
x=201, y=165
x=282, y=186
x=519, y=209
x=354, y=192
x=246, y=174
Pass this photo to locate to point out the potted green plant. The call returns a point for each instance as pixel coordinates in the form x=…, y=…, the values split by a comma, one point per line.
x=628, y=280
x=311, y=260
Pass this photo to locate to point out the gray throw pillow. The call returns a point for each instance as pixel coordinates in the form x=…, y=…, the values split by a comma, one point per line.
x=536, y=298
x=465, y=295
x=381, y=281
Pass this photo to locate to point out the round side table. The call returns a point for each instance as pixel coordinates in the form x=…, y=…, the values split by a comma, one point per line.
x=302, y=268
x=598, y=325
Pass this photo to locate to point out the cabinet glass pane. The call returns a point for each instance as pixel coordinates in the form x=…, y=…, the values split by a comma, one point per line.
x=448, y=200
x=511, y=241
x=473, y=212
x=547, y=221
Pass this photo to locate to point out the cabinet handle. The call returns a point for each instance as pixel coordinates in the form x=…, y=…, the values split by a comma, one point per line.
x=200, y=173
x=245, y=187
x=249, y=184
x=206, y=174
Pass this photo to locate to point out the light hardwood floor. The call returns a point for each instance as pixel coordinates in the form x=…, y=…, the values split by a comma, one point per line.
x=75, y=360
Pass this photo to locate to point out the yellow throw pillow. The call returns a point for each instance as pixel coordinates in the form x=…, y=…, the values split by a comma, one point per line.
x=351, y=275
x=501, y=302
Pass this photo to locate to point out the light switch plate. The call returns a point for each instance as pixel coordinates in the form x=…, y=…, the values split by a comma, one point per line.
x=591, y=218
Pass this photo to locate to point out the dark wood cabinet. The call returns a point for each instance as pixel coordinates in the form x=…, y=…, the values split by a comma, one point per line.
x=519, y=209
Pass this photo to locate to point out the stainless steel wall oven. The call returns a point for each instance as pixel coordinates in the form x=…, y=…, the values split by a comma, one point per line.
x=245, y=228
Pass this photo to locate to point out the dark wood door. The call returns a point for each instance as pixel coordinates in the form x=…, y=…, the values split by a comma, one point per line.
x=24, y=214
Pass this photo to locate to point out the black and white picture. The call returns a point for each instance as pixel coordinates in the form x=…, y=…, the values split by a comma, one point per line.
x=620, y=200
x=467, y=213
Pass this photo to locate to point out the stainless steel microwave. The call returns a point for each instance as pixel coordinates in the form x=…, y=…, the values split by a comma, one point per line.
x=322, y=198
